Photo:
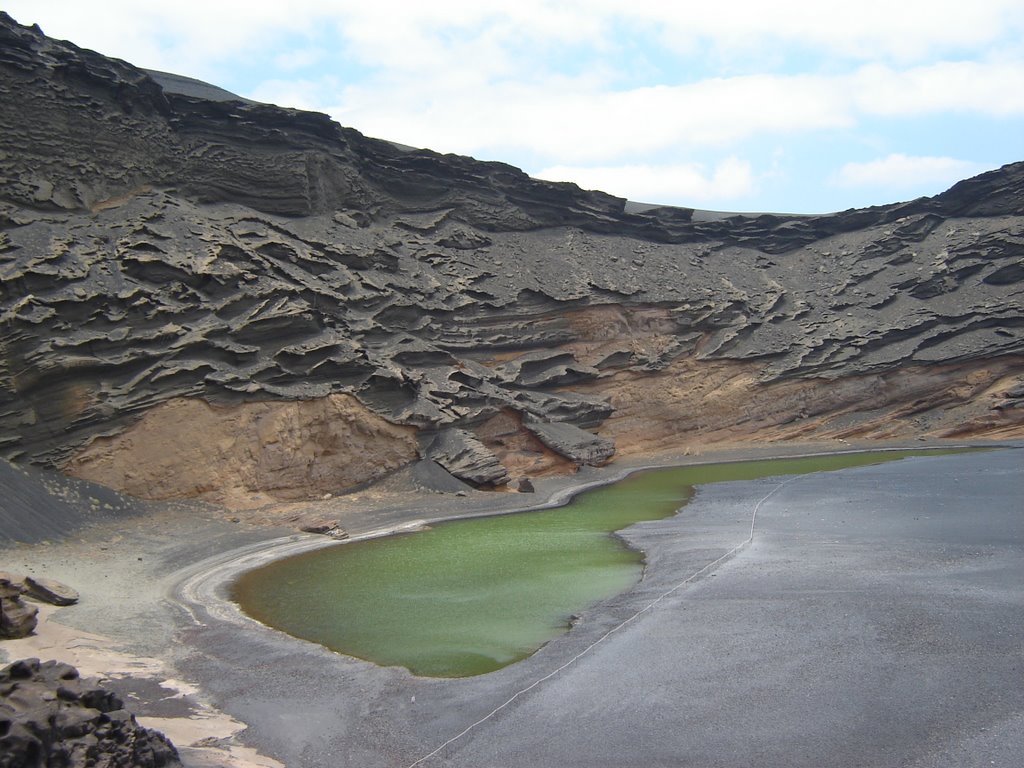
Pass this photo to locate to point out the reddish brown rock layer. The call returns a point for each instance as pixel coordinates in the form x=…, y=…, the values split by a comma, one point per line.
x=247, y=454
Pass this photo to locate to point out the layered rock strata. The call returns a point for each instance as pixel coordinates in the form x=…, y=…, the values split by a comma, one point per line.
x=168, y=250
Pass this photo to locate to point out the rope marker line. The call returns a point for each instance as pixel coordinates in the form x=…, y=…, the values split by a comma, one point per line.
x=613, y=630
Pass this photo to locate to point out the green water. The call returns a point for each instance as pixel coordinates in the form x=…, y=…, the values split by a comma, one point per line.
x=471, y=596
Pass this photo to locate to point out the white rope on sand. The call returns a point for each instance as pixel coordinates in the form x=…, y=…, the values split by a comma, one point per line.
x=693, y=576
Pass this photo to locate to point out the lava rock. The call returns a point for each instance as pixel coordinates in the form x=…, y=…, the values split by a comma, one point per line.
x=50, y=591
x=574, y=443
x=17, y=619
x=49, y=716
x=465, y=457
x=330, y=528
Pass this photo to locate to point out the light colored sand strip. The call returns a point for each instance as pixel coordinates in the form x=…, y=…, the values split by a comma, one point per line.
x=204, y=584
x=98, y=656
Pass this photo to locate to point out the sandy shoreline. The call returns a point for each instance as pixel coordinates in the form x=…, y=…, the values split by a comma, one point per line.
x=150, y=583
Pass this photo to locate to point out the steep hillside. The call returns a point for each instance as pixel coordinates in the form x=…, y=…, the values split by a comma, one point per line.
x=205, y=296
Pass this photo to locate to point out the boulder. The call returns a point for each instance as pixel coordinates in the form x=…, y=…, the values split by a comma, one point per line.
x=330, y=528
x=49, y=591
x=49, y=716
x=17, y=619
x=465, y=457
x=578, y=445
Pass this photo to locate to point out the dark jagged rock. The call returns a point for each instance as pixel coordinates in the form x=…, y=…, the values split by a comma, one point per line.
x=50, y=591
x=17, y=618
x=49, y=716
x=330, y=528
x=37, y=588
x=162, y=240
x=465, y=457
x=525, y=486
x=546, y=369
x=574, y=443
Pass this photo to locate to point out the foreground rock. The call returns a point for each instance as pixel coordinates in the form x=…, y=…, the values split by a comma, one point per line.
x=17, y=618
x=50, y=717
x=50, y=591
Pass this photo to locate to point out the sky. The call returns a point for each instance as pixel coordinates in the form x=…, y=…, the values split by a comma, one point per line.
x=803, y=106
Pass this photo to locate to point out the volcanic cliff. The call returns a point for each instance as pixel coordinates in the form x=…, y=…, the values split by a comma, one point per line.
x=207, y=296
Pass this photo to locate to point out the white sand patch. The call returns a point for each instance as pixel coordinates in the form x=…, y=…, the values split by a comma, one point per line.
x=202, y=734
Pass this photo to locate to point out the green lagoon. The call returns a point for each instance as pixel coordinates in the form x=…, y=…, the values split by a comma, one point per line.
x=471, y=596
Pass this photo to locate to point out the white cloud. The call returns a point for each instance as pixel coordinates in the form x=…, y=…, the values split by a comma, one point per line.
x=302, y=58
x=428, y=59
x=577, y=121
x=298, y=94
x=898, y=171
x=868, y=29
x=687, y=184
x=992, y=88
x=190, y=37
x=415, y=36
x=582, y=121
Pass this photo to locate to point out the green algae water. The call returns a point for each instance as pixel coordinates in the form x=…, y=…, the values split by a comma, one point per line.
x=472, y=596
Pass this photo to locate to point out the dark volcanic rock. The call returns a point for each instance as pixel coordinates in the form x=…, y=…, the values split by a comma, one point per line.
x=572, y=442
x=51, y=717
x=465, y=457
x=330, y=528
x=160, y=239
x=430, y=476
x=50, y=591
x=17, y=618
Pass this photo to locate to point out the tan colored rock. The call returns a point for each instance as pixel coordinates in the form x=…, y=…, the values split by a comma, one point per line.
x=248, y=454
x=518, y=449
x=694, y=403
x=50, y=591
x=17, y=618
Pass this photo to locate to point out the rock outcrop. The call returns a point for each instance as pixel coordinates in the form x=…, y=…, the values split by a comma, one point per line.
x=574, y=443
x=245, y=454
x=49, y=716
x=17, y=618
x=466, y=458
x=49, y=591
x=166, y=248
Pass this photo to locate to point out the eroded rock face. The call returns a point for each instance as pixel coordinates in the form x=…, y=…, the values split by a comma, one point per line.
x=466, y=458
x=49, y=717
x=248, y=453
x=163, y=246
